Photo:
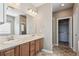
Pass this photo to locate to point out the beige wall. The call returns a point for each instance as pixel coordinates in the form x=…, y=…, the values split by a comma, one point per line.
x=64, y=13
x=54, y=29
x=44, y=24
x=30, y=24
x=75, y=26
x=60, y=14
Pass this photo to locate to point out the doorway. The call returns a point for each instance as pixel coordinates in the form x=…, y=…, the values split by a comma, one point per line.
x=63, y=32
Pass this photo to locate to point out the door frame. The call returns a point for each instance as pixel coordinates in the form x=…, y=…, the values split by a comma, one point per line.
x=70, y=30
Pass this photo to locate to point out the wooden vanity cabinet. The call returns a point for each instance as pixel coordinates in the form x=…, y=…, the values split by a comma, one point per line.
x=29, y=48
x=32, y=48
x=24, y=49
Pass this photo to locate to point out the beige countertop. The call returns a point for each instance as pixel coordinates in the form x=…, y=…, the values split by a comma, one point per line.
x=18, y=40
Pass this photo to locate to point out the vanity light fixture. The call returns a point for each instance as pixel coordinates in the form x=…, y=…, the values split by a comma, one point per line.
x=32, y=12
x=35, y=13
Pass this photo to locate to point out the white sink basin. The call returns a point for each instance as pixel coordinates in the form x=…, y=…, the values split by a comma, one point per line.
x=10, y=42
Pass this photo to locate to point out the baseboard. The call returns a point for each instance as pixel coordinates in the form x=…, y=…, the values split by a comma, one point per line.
x=47, y=51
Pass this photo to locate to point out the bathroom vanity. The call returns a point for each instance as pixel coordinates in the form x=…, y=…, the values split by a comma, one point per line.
x=26, y=46
x=16, y=22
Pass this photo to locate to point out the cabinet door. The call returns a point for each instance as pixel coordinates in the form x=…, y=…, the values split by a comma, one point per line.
x=1, y=53
x=9, y=52
x=41, y=43
x=17, y=51
x=32, y=48
x=37, y=45
x=24, y=49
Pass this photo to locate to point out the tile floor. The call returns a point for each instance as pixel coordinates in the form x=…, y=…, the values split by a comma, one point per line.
x=61, y=50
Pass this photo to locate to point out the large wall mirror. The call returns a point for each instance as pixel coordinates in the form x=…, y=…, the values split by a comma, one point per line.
x=8, y=27
x=12, y=21
x=1, y=13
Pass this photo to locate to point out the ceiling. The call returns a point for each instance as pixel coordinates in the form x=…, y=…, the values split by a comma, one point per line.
x=37, y=4
x=58, y=7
